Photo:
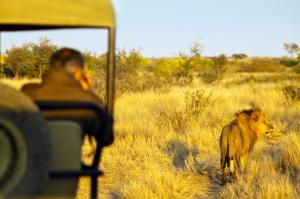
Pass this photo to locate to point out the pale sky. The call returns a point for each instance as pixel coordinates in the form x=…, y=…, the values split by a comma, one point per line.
x=163, y=28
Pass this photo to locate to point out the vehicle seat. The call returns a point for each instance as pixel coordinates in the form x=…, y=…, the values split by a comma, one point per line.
x=66, y=138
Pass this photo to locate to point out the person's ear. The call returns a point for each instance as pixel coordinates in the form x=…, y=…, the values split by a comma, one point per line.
x=77, y=74
x=82, y=79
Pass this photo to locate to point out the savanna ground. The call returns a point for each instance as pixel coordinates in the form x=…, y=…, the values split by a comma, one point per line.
x=167, y=141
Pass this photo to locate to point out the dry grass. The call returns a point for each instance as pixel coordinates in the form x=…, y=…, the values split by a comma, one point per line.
x=151, y=158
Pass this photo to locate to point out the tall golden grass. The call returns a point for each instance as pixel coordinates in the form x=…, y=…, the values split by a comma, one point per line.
x=152, y=159
x=160, y=151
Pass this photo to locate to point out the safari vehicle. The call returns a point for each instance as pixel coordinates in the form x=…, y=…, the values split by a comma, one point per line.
x=39, y=158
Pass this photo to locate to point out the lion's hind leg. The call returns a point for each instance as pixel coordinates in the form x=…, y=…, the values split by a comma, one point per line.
x=243, y=162
x=232, y=167
x=224, y=166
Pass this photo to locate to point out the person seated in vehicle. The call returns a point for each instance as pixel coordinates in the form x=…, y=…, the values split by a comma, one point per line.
x=66, y=82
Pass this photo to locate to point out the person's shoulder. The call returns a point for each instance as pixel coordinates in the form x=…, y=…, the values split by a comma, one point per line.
x=29, y=87
x=93, y=97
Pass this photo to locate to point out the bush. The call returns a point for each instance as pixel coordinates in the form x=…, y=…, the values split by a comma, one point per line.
x=292, y=92
x=165, y=67
x=210, y=77
x=260, y=65
x=286, y=61
x=196, y=102
x=141, y=82
x=297, y=68
x=170, y=116
x=239, y=56
x=176, y=118
x=216, y=70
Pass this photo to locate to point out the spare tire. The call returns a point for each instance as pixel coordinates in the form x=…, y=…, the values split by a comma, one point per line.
x=25, y=148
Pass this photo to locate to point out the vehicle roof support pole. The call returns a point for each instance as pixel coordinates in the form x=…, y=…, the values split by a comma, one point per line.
x=110, y=79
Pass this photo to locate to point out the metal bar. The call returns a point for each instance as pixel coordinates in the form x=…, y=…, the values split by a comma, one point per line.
x=94, y=187
x=65, y=105
x=0, y=50
x=110, y=74
x=28, y=27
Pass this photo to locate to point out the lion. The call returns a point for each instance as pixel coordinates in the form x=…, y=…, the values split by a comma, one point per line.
x=238, y=138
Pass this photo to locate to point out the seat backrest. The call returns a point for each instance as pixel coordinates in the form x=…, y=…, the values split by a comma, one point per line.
x=66, y=137
x=67, y=141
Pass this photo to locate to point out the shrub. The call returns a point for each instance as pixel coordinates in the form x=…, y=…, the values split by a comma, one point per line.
x=210, y=77
x=297, y=68
x=196, y=102
x=260, y=65
x=170, y=116
x=292, y=92
x=239, y=56
x=287, y=61
x=216, y=70
x=141, y=82
x=165, y=67
x=176, y=118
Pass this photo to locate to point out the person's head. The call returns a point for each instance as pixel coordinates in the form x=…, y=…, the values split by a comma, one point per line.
x=69, y=59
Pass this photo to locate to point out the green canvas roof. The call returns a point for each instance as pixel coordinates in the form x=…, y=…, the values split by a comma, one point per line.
x=47, y=14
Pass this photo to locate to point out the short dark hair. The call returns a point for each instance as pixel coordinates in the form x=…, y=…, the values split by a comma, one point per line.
x=64, y=56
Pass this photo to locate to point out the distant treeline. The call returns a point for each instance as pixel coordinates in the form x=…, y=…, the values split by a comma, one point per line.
x=135, y=72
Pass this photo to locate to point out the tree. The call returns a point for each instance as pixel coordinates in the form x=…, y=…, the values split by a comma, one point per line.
x=95, y=70
x=130, y=67
x=190, y=63
x=196, y=49
x=41, y=55
x=92, y=61
x=219, y=63
x=239, y=56
x=20, y=60
x=165, y=67
x=291, y=48
x=217, y=69
x=30, y=59
x=135, y=61
x=128, y=63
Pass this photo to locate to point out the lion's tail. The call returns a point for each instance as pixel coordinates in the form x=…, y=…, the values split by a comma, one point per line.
x=224, y=146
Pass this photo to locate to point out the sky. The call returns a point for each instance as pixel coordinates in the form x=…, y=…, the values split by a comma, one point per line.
x=163, y=28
